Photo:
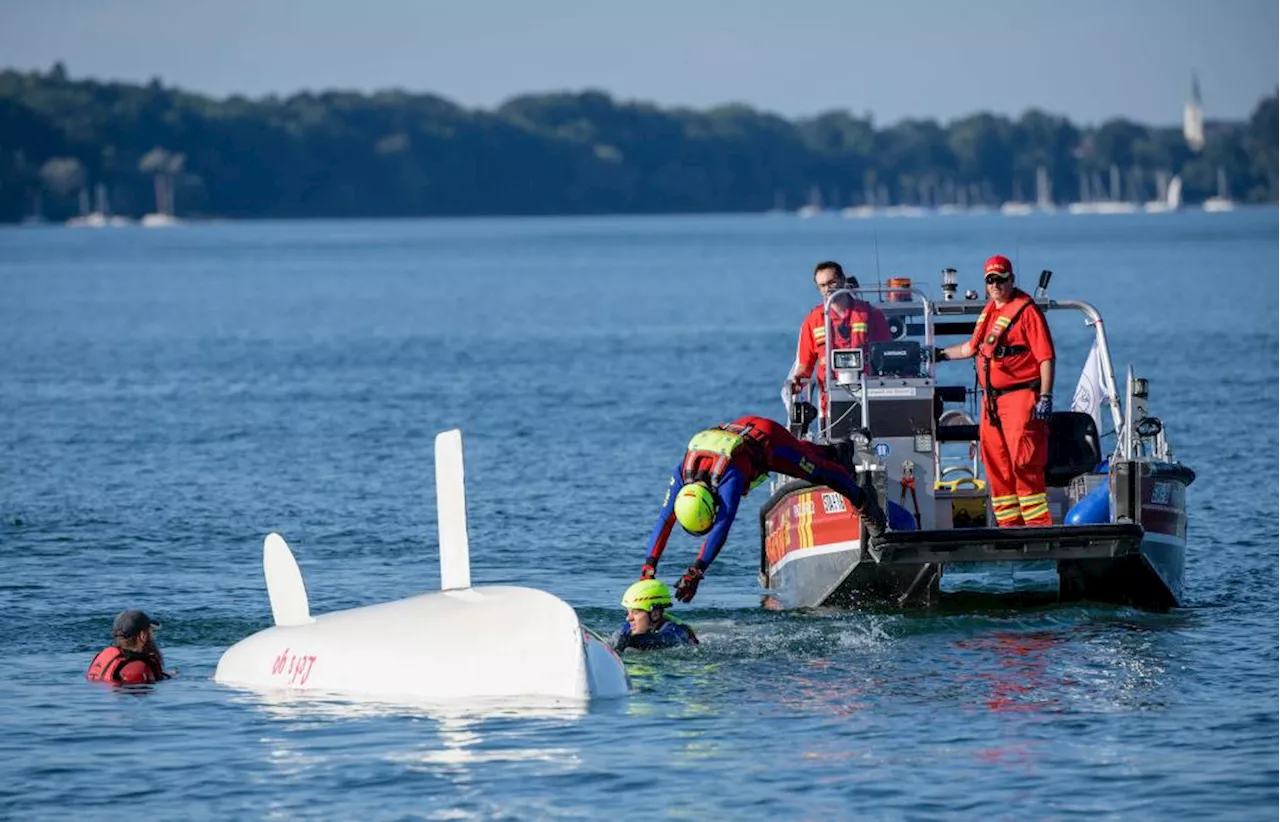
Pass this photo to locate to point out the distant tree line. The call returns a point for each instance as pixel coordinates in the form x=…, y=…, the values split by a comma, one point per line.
x=70, y=144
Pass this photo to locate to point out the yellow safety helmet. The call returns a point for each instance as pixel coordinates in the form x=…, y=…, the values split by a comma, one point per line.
x=645, y=594
x=696, y=508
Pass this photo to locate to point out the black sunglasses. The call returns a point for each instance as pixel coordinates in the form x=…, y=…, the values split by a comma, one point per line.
x=992, y=279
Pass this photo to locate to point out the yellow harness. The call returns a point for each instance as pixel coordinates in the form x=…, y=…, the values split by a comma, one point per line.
x=721, y=443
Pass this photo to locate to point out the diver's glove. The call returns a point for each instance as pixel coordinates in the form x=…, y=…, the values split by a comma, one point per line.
x=1044, y=408
x=688, y=584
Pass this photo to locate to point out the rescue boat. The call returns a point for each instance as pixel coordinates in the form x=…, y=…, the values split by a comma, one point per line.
x=1119, y=529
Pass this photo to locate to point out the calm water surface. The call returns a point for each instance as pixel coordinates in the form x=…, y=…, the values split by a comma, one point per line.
x=169, y=397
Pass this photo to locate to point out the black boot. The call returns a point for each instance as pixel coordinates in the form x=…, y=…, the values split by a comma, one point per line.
x=873, y=520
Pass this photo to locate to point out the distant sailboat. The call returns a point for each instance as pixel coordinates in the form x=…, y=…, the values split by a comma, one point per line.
x=101, y=216
x=36, y=217
x=163, y=216
x=1095, y=205
x=858, y=212
x=814, y=207
x=165, y=168
x=1044, y=190
x=1169, y=195
x=1223, y=201
x=1017, y=207
x=1044, y=197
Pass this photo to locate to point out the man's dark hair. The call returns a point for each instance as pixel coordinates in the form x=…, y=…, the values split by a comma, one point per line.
x=831, y=264
x=838, y=269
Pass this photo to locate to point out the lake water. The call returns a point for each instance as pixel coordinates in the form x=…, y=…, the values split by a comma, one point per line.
x=170, y=397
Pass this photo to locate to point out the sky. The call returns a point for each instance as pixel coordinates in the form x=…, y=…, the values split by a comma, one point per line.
x=1091, y=60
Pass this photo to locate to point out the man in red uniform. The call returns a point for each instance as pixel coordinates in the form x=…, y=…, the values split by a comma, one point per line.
x=1015, y=355
x=720, y=466
x=132, y=658
x=854, y=324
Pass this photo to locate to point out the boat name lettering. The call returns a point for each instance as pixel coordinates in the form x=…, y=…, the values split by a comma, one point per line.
x=295, y=666
x=891, y=392
x=1162, y=493
x=833, y=503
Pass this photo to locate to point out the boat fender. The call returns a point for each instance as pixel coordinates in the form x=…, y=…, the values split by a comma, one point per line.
x=1093, y=508
x=900, y=519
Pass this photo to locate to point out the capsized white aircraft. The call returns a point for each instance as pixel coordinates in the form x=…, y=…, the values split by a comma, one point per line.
x=460, y=643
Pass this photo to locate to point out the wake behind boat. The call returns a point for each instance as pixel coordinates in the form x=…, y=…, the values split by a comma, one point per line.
x=1119, y=521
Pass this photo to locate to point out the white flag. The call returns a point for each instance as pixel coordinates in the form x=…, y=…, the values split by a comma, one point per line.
x=1090, y=393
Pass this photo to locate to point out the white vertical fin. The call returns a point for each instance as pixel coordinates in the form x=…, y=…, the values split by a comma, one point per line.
x=284, y=583
x=451, y=510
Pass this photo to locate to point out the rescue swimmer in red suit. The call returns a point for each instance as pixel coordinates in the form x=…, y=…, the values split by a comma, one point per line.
x=1014, y=359
x=720, y=466
x=133, y=657
x=854, y=324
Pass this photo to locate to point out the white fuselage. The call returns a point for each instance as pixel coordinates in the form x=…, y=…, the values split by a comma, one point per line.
x=473, y=643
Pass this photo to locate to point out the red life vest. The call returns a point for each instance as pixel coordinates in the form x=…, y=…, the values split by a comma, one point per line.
x=995, y=326
x=109, y=664
x=850, y=327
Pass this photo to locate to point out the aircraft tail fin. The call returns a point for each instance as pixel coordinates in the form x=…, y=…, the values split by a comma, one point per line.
x=288, y=595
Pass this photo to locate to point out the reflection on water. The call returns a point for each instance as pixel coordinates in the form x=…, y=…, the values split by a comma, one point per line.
x=464, y=747
x=1015, y=669
x=319, y=705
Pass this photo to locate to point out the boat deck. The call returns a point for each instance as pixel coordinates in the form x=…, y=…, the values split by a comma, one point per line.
x=1056, y=542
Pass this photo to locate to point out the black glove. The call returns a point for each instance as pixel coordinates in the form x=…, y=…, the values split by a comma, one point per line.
x=688, y=584
x=940, y=354
x=1044, y=408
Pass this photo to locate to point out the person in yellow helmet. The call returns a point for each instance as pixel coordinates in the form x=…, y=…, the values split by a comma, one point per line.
x=648, y=625
x=720, y=466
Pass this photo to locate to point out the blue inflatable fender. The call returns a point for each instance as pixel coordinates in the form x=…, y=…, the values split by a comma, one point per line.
x=900, y=519
x=1093, y=508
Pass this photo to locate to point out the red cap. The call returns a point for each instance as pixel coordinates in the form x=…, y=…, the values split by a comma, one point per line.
x=998, y=264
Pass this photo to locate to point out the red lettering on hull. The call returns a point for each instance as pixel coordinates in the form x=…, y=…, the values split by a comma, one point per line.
x=297, y=667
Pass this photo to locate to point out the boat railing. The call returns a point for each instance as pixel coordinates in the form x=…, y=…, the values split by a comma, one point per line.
x=919, y=313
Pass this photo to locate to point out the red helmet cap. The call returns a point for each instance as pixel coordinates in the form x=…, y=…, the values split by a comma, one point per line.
x=999, y=264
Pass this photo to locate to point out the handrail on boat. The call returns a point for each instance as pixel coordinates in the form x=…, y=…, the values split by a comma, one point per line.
x=1094, y=319
x=928, y=311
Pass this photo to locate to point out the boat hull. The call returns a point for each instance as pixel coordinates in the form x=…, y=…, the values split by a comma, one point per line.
x=812, y=552
x=1153, y=576
x=814, y=556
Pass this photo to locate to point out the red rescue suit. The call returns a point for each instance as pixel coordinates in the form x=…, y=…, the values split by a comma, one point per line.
x=854, y=324
x=1009, y=343
x=767, y=447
